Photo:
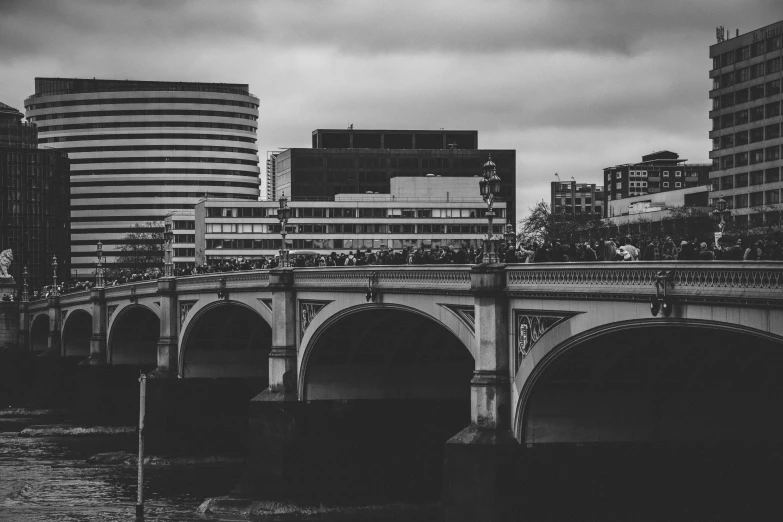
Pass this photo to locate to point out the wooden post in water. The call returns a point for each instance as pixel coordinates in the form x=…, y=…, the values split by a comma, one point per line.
x=140, y=490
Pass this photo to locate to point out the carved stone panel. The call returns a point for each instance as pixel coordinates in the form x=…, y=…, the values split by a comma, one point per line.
x=307, y=311
x=184, y=310
x=530, y=326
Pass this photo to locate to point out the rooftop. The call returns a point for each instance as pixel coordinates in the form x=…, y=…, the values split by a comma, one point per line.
x=53, y=86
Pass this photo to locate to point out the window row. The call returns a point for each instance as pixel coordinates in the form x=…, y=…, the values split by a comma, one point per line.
x=116, y=101
x=770, y=132
x=761, y=112
x=161, y=147
x=163, y=159
x=126, y=124
x=171, y=170
x=757, y=177
x=174, y=136
x=164, y=183
x=115, y=194
x=369, y=213
x=750, y=158
x=773, y=43
x=745, y=95
x=338, y=228
x=163, y=112
x=337, y=244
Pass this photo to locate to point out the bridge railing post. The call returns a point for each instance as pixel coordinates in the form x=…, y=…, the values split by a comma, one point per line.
x=98, y=336
x=282, y=357
x=168, y=339
x=480, y=461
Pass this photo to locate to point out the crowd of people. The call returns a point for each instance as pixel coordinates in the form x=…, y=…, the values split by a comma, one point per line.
x=609, y=249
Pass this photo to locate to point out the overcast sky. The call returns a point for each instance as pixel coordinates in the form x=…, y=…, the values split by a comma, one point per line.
x=572, y=85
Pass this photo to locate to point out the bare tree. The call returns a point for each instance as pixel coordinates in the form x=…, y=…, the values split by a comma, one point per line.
x=142, y=248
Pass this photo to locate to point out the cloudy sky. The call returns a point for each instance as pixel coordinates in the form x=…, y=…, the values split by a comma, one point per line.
x=572, y=85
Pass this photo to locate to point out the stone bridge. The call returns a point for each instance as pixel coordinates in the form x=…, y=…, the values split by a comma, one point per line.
x=531, y=354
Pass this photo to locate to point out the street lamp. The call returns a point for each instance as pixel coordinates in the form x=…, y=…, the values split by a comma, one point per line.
x=99, y=267
x=510, y=235
x=25, y=290
x=168, y=264
x=55, y=291
x=283, y=215
x=489, y=186
x=719, y=215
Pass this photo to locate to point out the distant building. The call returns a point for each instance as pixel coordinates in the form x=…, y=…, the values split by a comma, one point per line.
x=140, y=149
x=657, y=172
x=34, y=220
x=182, y=224
x=572, y=199
x=747, y=115
x=656, y=207
x=271, y=180
x=356, y=161
x=229, y=229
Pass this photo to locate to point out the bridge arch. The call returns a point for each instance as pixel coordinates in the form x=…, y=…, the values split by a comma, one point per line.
x=226, y=339
x=39, y=333
x=133, y=338
x=77, y=331
x=664, y=336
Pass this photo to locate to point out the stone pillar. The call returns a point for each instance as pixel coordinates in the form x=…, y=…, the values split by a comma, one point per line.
x=276, y=416
x=480, y=462
x=168, y=352
x=99, y=323
x=23, y=339
x=54, y=345
x=282, y=358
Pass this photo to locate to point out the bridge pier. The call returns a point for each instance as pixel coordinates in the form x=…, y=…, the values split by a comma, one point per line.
x=54, y=341
x=168, y=348
x=98, y=338
x=480, y=461
x=276, y=412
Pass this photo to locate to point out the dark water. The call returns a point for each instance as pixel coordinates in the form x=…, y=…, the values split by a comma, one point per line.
x=44, y=479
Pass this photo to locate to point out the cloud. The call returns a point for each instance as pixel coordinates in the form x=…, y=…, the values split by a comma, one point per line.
x=572, y=85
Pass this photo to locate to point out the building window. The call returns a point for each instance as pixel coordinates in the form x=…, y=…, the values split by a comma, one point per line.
x=772, y=153
x=772, y=175
x=665, y=184
x=677, y=174
x=741, y=201
x=665, y=173
x=756, y=156
x=619, y=185
x=756, y=199
x=741, y=159
x=619, y=174
x=757, y=177
x=727, y=182
x=773, y=197
x=678, y=184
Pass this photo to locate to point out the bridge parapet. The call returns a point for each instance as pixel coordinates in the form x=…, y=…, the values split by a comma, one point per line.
x=412, y=279
x=757, y=283
x=247, y=280
x=142, y=289
x=75, y=298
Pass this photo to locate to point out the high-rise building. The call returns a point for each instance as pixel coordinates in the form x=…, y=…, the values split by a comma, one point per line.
x=353, y=161
x=34, y=209
x=746, y=124
x=270, y=175
x=572, y=199
x=140, y=149
x=657, y=172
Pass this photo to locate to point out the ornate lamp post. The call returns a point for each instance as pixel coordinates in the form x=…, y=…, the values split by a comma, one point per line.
x=283, y=215
x=55, y=290
x=25, y=291
x=489, y=185
x=510, y=235
x=719, y=215
x=168, y=262
x=99, y=267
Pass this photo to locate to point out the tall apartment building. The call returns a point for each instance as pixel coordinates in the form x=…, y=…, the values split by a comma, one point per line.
x=746, y=123
x=657, y=172
x=34, y=208
x=140, y=149
x=353, y=161
x=572, y=199
x=271, y=180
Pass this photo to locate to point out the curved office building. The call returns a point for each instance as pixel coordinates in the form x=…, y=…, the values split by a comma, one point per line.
x=140, y=149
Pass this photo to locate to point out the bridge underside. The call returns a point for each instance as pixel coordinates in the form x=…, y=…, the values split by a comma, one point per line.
x=667, y=422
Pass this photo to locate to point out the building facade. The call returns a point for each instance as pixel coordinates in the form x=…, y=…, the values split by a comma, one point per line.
x=656, y=207
x=140, y=149
x=34, y=214
x=571, y=199
x=657, y=172
x=271, y=179
x=365, y=161
x=746, y=124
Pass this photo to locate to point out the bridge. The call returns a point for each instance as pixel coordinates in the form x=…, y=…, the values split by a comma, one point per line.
x=514, y=356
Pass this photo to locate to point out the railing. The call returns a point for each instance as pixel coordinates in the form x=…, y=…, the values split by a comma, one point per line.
x=411, y=278
x=737, y=281
x=248, y=279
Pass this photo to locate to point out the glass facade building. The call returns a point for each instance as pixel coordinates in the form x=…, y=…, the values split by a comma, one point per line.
x=140, y=149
